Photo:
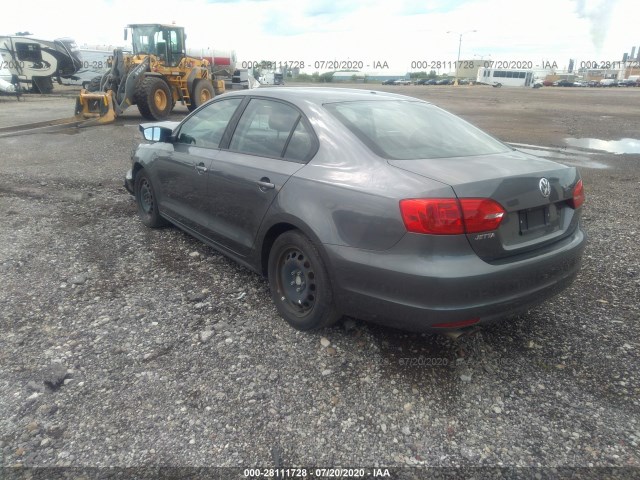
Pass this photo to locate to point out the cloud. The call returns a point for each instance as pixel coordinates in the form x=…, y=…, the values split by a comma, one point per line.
x=331, y=7
x=370, y=30
x=420, y=7
x=599, y=16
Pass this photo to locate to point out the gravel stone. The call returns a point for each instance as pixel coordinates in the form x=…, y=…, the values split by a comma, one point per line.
x=469, y=454
x=54, y=375
x=78, y=279
x=206, y=335
x=197, y=297
x=35, y=386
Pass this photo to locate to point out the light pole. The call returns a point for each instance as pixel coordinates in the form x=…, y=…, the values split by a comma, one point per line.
x=459, y=47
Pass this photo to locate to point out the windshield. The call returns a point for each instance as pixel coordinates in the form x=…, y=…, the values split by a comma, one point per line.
x=408, y=130
x=143, y=39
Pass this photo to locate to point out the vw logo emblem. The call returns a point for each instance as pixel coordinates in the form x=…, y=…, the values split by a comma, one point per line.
x=545, y=187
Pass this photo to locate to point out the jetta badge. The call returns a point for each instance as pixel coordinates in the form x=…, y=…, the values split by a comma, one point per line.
x=545, y=187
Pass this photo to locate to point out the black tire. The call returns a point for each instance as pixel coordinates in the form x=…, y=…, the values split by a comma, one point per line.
x=146, y=201
x=154, y=99
x=299, y=282
x=202, y=93
x=94, y=84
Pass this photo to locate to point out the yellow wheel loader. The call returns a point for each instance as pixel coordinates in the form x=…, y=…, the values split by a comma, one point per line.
x=154, y=77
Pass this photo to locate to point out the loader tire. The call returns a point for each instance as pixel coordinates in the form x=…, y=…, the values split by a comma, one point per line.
x=202, y=93
x=154, y=98
x=94, y=84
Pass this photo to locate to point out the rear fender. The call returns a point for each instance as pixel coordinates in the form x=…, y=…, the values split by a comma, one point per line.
x=279, y=223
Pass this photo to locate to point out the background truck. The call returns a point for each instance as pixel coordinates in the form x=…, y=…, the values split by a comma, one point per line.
x=272, y=78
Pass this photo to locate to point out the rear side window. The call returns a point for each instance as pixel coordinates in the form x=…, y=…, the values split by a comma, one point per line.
x=206, y=127
x=300, y=145
x=272, y=129
x=406, y=130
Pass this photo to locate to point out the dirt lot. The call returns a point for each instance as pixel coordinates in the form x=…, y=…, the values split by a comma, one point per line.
x=122, y=346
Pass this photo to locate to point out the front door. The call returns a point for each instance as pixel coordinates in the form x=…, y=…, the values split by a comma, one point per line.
x=185, y=169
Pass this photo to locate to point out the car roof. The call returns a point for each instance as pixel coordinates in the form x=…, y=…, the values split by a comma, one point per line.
x=322, y=95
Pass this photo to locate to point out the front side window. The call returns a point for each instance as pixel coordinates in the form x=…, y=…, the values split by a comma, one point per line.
x=265, y=128
x=408, y=130
x=206, y=127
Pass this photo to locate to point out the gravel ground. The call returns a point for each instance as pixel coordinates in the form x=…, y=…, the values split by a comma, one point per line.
x=129, y=347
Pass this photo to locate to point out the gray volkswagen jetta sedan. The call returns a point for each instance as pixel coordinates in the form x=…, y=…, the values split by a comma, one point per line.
x=363, y=203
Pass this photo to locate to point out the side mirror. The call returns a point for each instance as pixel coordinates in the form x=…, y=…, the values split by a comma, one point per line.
x=156, y=134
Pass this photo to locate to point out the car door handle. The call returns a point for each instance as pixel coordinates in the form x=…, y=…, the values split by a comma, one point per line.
x=265, y=184
x=201, y=168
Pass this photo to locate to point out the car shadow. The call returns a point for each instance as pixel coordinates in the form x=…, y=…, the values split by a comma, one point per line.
x=441, y=367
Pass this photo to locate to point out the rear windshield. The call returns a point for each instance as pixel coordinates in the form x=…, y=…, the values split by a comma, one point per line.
x=406, y=130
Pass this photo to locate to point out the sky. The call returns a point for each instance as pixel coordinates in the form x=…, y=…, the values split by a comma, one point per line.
x=398, y=33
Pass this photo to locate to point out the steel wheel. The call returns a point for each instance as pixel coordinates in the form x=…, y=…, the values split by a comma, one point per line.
x=299, y=282
x=146, y=200
x=296, y=281
x=146, y=197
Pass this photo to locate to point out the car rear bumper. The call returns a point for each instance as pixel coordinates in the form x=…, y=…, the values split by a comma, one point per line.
x=420, y=291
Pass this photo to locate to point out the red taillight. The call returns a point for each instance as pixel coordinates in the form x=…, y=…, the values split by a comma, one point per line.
x=578, y=195
x=481, y=214
x=438, y=216
x=450, y=216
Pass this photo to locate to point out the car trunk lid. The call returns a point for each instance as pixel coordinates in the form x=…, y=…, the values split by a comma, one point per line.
x=534, y=192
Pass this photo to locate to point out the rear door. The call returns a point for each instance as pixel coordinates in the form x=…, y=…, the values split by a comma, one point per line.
x=271, y=141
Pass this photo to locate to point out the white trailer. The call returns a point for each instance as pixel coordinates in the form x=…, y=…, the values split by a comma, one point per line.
x=499, y=77
x=36, y=62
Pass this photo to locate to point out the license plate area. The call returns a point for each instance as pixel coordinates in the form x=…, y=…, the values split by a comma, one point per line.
x=535, y=219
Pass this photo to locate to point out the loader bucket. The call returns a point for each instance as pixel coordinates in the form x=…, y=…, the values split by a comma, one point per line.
x=96, y=105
